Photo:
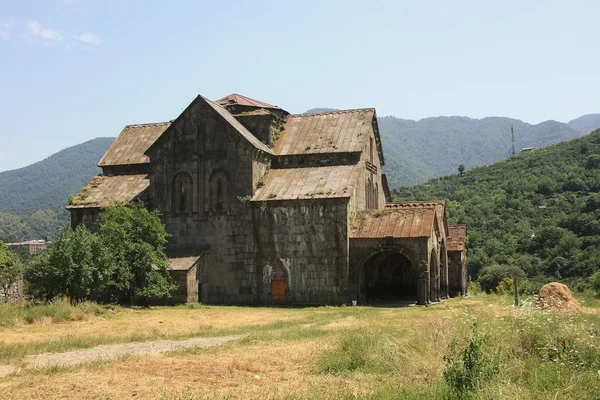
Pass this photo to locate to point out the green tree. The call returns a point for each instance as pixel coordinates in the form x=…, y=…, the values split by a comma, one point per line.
x=77, y=267
x=461, y=169
x=491, y=276
x=135, y=239
x=10, y=270
x=595, y=282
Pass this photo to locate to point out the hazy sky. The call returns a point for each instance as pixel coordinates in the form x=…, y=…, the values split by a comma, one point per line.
x=73, y=70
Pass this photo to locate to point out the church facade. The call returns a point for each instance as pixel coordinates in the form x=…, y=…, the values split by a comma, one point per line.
x=266, y=207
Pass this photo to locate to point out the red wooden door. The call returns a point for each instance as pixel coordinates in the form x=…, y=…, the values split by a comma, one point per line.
x=278, y=290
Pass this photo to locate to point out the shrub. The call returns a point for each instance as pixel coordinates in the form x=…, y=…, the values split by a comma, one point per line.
x=491, y=276
x=469, y=367
x=506, y=286
x=349, y=356
x=595, y=282
x=474, y=288
x=529, y=288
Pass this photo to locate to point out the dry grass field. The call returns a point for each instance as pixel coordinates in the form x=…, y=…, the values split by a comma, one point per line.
x=305, y=353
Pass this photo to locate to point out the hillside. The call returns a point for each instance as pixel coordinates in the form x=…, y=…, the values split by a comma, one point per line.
x=47, y=183
x=538, y=210
x=416, y=151
x=586, y=123
x=419, y=150
x=32, y=199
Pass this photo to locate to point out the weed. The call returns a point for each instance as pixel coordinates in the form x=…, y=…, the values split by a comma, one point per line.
x=469, y=367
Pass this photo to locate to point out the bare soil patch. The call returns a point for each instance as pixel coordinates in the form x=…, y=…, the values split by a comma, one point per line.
x=104, y=352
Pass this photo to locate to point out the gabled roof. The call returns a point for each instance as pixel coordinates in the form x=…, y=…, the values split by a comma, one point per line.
x=238, y=126
x=311, y=182
x=439, y=205
x=327, y=132
x=184, y=259
x=457, y=237
x=228, y=118
x=238, y=99
x=103, y=190
x=396, y=223
x=131, y=144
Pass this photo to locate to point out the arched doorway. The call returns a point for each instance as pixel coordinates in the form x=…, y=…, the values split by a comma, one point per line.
x=388, y=275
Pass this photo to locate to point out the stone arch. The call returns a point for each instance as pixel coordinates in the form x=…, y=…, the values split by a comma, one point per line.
x=388, y=273
x=277, y=276
x=219, y=190
x=182, y=189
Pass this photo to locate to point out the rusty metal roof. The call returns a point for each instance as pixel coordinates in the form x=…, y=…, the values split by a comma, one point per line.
x=312, y=182
x=457, y=237
x=238, y=99
x=397, y=223
x=103, y=190
x=132, y=143
x=328, y=132
x=439, y=205
x=238, y=126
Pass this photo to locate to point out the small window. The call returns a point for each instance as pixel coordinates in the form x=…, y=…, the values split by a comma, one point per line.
x=219, y=190
x=371, y=150
x=182, y=193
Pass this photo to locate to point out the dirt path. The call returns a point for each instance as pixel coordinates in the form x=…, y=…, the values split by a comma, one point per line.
x=109, y=351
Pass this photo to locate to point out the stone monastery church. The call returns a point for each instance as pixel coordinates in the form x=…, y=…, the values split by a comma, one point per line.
x=267, y=207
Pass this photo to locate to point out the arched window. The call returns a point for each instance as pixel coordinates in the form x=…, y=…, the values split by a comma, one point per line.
x=182, y=193
x=219, y=185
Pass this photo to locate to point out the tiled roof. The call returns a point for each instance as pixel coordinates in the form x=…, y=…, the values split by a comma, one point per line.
x=457, y=237
x=238, y=126
x=130, y=146
x=439, y=205
x=103, y=190
x=238, y=99
x=182, y=259
x=328, y=132
x=397, y=223
x=311, y=182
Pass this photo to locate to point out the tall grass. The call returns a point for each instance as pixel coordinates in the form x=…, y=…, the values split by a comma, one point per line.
x=58, y=311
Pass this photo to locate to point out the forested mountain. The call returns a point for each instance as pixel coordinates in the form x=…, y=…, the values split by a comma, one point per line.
x=586, y=123
x=32, y=199
x=47, y=183
x=416, y=151
x=538, y=210
x=419, y=150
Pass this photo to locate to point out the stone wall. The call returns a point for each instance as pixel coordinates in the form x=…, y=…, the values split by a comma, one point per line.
x=304, y=242
x=15, y=293
x=86, y=217
x=457, y=273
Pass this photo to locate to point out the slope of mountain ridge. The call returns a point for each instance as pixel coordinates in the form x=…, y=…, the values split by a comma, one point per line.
x=538, y=210
x=415, y=152
x=438, y=145
x=47, y=183
x=586, y=123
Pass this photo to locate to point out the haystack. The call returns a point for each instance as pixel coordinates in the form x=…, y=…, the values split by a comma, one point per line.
x=557, y=297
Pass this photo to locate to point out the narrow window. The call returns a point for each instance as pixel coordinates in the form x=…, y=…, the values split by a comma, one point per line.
x=219, y=194
x=182, y=205
x=371, y=150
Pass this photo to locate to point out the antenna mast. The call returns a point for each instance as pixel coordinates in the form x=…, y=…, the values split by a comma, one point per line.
x=512, y=133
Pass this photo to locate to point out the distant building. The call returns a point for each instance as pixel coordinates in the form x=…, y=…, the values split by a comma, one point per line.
x=264, y=207
x=526, y=149
x=32, y=246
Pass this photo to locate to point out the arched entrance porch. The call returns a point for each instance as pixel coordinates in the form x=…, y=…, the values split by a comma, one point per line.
x=388, y=275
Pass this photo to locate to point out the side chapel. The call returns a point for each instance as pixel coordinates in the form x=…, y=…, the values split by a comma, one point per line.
x=268, y=207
